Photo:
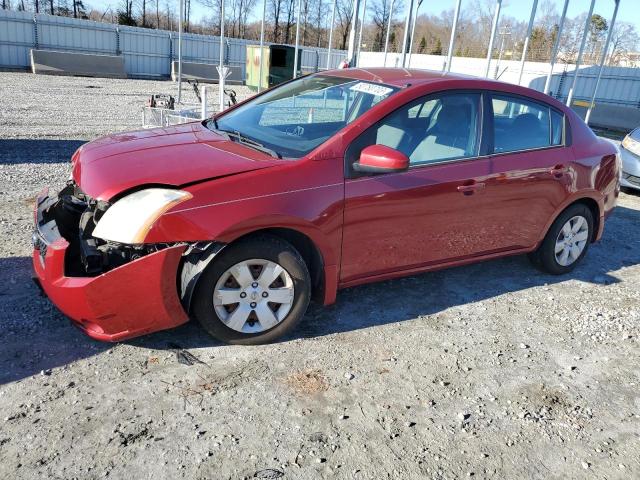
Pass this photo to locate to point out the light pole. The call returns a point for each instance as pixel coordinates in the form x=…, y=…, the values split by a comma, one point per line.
x=503, y=34
x=386, y=42
x=364, y=15
x=333, y=19
x=351, y=50
x=413, y=33
x=180, y=52
x=602, y=59
x=556, y=46
x=295, y=54
x=221, y=68
x=447, y=65
x=580, y=52
x=405, y=39
x=494, y=27
x=264, y=14
x=526, y=40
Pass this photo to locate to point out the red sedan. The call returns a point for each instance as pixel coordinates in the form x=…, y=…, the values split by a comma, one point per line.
x=328, y=181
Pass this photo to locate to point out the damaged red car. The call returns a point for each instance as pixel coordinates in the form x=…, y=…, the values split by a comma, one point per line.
x=328, y=181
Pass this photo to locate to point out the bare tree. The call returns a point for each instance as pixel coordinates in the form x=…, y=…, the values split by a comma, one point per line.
x=381, y=12
x=344, y=12
x=624, y=40
x=275, y=14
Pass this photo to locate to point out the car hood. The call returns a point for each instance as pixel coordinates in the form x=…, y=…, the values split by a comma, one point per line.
x=175, y=156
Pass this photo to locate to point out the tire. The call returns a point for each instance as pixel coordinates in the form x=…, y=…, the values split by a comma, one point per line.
x=259, y=255
x=545, y=257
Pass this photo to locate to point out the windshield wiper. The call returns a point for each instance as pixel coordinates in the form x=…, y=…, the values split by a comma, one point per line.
x=248, y=142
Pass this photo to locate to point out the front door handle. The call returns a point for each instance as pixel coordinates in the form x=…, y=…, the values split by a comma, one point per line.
x=469, y=188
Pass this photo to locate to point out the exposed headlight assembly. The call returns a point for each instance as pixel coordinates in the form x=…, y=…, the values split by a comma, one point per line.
x=129, y=219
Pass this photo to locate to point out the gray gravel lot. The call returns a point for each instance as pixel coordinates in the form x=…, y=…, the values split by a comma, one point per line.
x=488, y=371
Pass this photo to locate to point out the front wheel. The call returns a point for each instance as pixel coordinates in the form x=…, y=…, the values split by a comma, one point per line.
x=566, y=242
x=254, y=292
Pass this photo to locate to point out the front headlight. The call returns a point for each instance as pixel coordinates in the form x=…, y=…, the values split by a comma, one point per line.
x=129, y=219
x=631, y=145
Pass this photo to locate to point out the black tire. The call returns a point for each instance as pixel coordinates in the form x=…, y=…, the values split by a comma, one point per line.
x=265, y=247
x=544, y=257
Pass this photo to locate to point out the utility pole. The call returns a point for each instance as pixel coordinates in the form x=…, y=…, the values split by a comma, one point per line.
x=494, y=27
x=295, y=54
x=405, y=39
x=333, y=20
x=386, y=42
x=526, y=40
x=556, y=46
x=580, y=52
x=351, y=50
x=413, y=33
x=602, y=59
x=503, y=33
x=452, y=39
x=364, y=14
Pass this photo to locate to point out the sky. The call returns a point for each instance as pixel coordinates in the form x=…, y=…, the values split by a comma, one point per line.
x=629, y=10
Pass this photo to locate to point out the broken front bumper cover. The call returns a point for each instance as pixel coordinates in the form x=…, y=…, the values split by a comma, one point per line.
x=133, y=299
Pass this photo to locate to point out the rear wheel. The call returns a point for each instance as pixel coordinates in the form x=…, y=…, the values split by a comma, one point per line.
x=566, y=242
x=256, y=291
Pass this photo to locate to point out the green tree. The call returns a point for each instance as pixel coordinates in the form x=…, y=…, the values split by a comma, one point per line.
x=423, y=45
x=437, y=49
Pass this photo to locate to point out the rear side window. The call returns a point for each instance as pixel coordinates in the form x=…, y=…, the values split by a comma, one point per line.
x=523, y=125
x=557, y=128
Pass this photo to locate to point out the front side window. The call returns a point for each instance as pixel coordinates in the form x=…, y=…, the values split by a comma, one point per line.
x=297, y=117
x=523, y=125
x=429, y=130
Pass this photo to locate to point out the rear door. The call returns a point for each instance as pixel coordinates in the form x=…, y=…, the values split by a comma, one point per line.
x=530, y=167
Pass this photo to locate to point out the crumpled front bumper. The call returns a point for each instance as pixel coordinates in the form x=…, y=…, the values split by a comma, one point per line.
x=131, y=300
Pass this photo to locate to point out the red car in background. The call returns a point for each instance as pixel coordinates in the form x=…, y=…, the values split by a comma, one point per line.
x=328, y=181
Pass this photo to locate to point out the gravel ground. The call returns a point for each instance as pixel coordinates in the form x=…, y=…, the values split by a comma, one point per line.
x=487, y=371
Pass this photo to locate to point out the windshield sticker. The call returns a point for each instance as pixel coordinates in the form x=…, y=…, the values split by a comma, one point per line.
x=295, y=132
x=377, y=90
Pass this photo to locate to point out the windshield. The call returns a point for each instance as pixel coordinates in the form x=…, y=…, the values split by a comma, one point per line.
x=297, y=117
x=635, y=134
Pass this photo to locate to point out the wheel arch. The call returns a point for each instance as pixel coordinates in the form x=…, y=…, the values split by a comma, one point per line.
x=199, y=255
x=591, y=200
x=593, y=206
x=310, y=252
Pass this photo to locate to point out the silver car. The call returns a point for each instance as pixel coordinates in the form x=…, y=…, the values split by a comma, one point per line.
x=630, y=150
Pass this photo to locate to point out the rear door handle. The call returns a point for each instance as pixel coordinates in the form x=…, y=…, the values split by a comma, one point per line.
x=470, y=188
x=558, y=171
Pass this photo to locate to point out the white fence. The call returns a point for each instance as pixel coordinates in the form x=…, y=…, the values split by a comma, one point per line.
x=147, y=52
x=618, y=86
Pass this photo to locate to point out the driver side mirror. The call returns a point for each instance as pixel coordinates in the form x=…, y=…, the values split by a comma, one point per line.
x=381, y=159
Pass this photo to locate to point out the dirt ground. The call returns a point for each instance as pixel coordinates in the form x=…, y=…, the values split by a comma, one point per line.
x=489, y=371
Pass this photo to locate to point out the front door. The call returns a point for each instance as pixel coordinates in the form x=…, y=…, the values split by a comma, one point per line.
x=432, y=213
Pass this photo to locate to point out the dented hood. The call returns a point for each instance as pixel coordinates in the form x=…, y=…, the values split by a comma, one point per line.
x=178, y=155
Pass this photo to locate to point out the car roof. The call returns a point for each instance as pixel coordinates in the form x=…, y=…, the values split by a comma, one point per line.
x=412, y=77
x=399, y=77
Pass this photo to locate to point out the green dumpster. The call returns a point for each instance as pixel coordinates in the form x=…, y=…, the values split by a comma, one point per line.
x=277, y=66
